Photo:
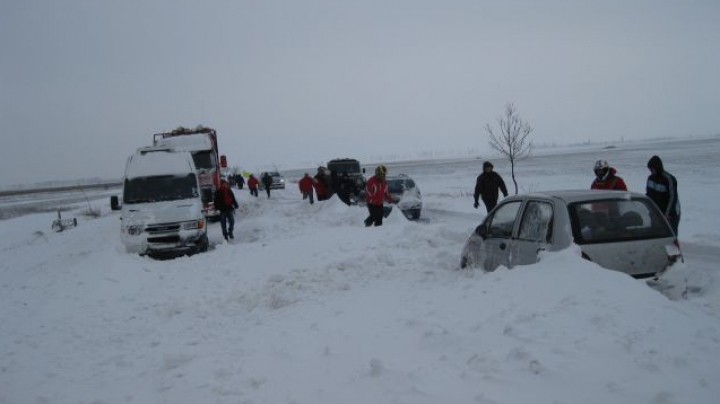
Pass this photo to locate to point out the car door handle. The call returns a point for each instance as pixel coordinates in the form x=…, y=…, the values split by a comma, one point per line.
x=503, y=246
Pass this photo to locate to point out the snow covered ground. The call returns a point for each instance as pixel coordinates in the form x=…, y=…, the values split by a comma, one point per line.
x=308, y=306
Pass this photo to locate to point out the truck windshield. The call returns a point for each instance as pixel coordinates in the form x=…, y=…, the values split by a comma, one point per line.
x=160, y=188
x=349, y=167
x=204, y=160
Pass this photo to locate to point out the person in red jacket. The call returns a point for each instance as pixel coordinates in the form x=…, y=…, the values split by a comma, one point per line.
x=376, y=190
x=606, y=178
x=252, y=184
x=321, y=185
x=306, y=187
x=226, y=204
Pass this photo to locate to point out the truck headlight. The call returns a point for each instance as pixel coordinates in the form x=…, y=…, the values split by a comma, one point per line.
x=193, y=224
x=134, y=230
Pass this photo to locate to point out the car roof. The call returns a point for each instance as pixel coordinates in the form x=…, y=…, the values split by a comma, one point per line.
x=581, y=195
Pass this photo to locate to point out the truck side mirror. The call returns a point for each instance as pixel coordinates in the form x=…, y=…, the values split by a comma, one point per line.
x=115, y=203
x=363, y=170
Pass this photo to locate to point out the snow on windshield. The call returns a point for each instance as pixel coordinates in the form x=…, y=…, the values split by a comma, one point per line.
x=159, y=163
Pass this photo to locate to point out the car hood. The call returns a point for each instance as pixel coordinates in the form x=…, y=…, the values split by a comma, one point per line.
x=162, y=212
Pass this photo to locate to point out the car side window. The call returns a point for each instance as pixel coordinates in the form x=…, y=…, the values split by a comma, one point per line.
x=503, y=220
x=536, y=223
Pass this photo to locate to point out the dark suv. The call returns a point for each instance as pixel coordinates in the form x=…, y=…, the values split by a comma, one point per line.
x=347, y=180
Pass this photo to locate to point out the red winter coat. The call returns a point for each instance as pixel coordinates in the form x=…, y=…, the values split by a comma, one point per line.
x=321, y=188
x=252, y=182
x=612, y=182
x=375, y=190
x=306, y=184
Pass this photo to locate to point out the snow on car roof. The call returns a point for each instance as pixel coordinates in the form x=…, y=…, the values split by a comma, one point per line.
x=570, y=196
x=149, y=162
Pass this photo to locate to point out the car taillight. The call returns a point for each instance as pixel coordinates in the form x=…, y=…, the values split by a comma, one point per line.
x=673, y=252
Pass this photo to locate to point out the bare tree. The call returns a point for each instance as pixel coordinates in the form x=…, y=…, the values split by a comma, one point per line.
x=513, y=140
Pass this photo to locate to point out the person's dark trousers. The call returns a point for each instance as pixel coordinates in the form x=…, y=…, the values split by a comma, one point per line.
x=227, y=223
x=376, y=215
x=268, y=191
x=254, y=192
x=489, y=205
x=308, y=194
x=674, y=223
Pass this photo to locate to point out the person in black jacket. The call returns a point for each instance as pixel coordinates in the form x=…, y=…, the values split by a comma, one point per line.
x=226, y=204
x=487, y=186
x=267, y=181
x=662, y=189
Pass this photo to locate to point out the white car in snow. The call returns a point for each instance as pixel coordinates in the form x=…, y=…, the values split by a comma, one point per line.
x=618, y=230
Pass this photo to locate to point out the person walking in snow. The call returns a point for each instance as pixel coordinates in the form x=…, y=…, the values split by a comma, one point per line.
x=226, y=204
x=267, y=183
x=306, y=187
x=487, y=186
x=606, y=178
x=321, y=186
x=240, y=181
x=252, y=184
x=662, y=188
x=376, y=190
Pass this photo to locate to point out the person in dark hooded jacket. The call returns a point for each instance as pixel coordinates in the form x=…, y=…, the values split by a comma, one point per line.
x=662, y=189
x=487, y=185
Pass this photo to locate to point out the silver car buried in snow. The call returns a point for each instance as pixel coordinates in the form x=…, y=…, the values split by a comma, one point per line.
x=618, y=230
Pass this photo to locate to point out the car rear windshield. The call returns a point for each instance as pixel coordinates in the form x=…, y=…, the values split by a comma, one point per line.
x=400, y=185
x=617, y=220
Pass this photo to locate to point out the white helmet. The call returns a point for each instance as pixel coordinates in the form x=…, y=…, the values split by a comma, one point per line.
x=602, y=169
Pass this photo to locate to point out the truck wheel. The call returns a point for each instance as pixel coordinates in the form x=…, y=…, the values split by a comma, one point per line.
x=203, y=244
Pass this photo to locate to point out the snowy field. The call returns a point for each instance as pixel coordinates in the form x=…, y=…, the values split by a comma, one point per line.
x=308, y=306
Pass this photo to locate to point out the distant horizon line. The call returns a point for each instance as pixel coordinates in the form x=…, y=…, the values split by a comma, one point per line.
x=386, y=159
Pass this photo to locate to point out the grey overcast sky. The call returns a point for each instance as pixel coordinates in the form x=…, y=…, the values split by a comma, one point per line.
x=294, y=83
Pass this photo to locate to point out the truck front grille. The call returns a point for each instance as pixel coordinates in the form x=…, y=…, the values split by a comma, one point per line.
x=162, y=228
x=164, y=239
